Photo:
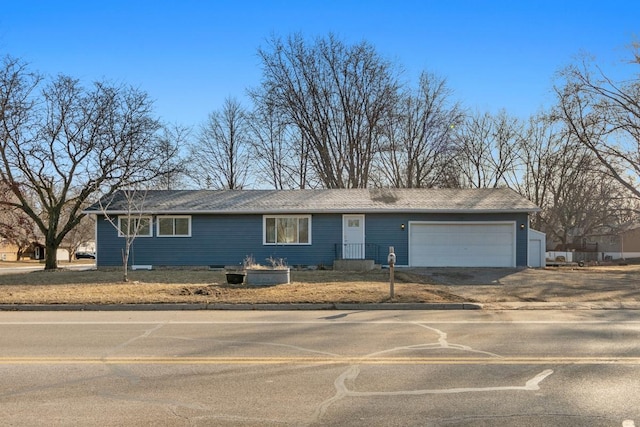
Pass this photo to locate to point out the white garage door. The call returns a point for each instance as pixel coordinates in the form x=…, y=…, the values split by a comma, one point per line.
x=462, y=244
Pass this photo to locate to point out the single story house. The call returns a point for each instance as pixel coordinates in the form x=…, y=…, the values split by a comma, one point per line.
x=426, y=227
x=8, y=251
x=616, y=244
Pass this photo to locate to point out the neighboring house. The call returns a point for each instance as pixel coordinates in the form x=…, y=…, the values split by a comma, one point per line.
x=617, y=245
x=89, y=247
x=426, y=227
x=34, y=251
x=8, y=251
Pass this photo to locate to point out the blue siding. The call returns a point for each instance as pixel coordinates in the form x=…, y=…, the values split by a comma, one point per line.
x=229, y=239
x=220, y=240
x=385, y=230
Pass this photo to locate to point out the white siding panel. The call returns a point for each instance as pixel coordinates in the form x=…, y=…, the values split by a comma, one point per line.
x=537, y=246
x=462, y=244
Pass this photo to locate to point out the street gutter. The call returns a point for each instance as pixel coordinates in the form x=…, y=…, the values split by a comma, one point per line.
x=238, y=307
x=502, y=306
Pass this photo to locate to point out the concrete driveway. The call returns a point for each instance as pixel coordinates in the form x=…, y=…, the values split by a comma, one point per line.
x=617, y=286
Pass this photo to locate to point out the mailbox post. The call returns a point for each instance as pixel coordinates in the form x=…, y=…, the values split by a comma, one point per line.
x=391, y=259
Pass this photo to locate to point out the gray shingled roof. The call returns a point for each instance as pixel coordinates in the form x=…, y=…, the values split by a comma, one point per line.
x=314, y=201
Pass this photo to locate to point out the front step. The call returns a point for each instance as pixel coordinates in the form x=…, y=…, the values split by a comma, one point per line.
x=355, y=265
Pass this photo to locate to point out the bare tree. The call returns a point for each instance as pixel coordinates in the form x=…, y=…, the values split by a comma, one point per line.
x=170, y=150
x=273, y=147
x=565, y=179
x=604, y=116
x=582, y=198
x=337, y=97
x=80, y=235
x=280, y=151
x=62, y=143
x=417, y=139
x=222, y=154
x=486, y=150
x=16, y=228
x=538, y=151
x=130, y=221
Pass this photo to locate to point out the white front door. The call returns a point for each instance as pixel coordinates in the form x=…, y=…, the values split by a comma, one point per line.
x=353, y=237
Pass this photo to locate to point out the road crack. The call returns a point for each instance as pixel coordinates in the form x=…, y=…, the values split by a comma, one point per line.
x=353, y=371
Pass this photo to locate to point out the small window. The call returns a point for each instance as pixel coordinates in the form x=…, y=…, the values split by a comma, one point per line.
x=287, y=230
x=174, y=226
x=134, y=226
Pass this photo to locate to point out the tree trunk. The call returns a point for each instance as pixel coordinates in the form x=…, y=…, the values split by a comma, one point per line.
x=125, y=262
x=50, y=256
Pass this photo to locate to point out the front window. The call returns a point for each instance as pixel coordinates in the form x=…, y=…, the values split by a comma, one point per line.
x=174, y=226
x=287, y=230
x=134, y=226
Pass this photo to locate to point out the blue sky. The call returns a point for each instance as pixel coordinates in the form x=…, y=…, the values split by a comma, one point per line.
x=190, y=55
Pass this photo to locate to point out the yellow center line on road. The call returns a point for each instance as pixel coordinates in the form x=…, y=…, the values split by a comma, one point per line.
x=150, y=360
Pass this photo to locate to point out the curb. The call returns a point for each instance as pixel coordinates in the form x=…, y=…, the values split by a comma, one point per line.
x=238, y=307
x=499, y=306
x=562, y=306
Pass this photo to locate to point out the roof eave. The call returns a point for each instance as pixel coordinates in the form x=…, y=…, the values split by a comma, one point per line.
x=312, y=211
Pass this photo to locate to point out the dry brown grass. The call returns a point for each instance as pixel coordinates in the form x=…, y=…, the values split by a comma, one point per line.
x=432, y=285
x=201, y=286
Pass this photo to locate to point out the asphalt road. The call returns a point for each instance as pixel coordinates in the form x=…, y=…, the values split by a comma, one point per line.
x=369, y=368
x=30, y=268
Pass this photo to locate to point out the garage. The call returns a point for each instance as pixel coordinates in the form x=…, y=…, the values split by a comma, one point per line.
x=462, y=244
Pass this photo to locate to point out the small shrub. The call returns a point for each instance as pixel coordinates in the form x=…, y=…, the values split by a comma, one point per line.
x=273, y=263
x=277, y=263
x=249, y=262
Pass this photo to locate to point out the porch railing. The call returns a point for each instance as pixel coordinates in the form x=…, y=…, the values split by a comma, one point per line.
x=357, y=251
